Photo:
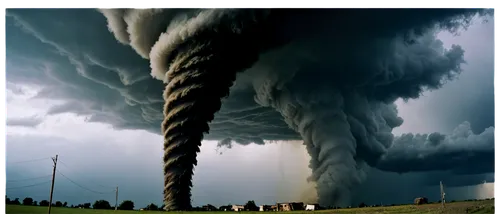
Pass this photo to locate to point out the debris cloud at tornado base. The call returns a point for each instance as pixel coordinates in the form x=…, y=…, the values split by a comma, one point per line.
x=333, y=75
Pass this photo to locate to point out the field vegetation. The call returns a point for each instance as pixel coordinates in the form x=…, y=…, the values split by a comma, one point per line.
x=473, y=206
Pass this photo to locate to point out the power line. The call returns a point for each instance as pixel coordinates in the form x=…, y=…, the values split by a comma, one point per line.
x=27, y=179
x=85, y=188
x=93, y=181
x=27, y=161
x=37, y=184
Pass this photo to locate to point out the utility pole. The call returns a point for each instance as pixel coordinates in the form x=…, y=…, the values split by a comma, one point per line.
x=116, y=199
x=53, y=179
x=442, y=194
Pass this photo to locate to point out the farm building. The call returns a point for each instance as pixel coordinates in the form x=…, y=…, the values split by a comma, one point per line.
x=312, y=207
x=267, y=208
x=238, y=208
x=290, y=206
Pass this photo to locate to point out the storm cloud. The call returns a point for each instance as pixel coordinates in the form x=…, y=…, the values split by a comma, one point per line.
x=32, y=121
x=328, y=77
x=459, y=152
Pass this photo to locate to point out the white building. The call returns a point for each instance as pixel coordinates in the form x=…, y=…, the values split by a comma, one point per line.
x=312, y=207
x=238, y=208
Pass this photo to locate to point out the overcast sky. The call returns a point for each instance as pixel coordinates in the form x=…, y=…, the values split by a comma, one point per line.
x=94, y=157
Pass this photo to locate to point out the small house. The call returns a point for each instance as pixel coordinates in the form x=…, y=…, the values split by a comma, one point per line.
x=312, y=207
x=238, y=208
x=290, y=206
x=284, y=207
x=266, y=208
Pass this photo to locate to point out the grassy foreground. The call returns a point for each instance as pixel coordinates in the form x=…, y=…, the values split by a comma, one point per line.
x=451, y=208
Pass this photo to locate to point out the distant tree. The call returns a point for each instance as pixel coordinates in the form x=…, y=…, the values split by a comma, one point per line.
x=16, y=201
x=126, y=205
x=7, y=200
x=362, y=204
x=225, y=208
x=86, y=205
x=250, y=206
x=35, y=203
x=28, y=201
x=72, y=206
x=58, y=204
x=151, y=206
x=196, y=209
x=44, y=203
x=101, y=204
x=162, y=207
x=154, y=207
x=65, y=204
x=210, y=207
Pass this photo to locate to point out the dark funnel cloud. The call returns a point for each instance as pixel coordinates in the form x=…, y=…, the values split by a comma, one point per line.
x=327, y=76
x=198, y=59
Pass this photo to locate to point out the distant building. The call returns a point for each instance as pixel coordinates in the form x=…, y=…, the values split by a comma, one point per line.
x=312, y=207
x=284, y=207
x=267, y=208
x=290, y=206
x=297, y=206
x=238, y=208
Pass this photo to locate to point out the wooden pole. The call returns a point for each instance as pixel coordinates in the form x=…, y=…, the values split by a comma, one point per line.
x=53, y=180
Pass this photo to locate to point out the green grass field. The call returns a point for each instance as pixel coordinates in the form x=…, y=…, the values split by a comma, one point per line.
x=451, y=208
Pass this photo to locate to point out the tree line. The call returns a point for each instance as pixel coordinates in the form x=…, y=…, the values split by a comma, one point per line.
x=98, y=204
x=124, y=205
x=129, y=205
